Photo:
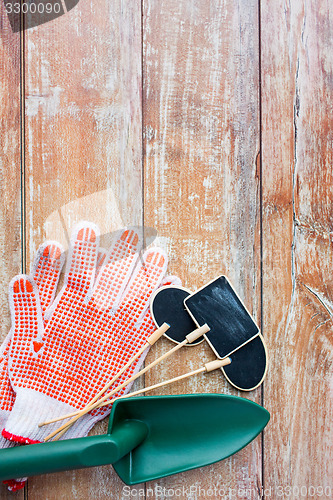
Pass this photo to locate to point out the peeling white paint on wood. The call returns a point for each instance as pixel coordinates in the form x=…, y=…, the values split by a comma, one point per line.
x=297, y=224
x=200, y=127
x=194, y=102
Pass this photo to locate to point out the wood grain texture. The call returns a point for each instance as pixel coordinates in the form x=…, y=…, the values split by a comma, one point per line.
x=10, y=173
x=10, y=168
x=297, y=68
x=205, y=83
x=83, y=107
x=201, y=140
x=83, y=137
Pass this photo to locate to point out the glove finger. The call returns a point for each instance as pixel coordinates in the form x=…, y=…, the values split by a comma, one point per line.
x=7, y=396
x=145, y=280
x=135, y=301
x=147, y=327
x=4, y=345
x=26, y=316
x=147, y=323
x=100, y=260
x=126, y=325
x=117, y=270
x=46, y=269
x=81, y=264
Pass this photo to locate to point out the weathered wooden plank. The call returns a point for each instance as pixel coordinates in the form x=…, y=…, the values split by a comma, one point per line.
x=83, y=136
x=10, y=172
x=297, y=67
x=201, y=140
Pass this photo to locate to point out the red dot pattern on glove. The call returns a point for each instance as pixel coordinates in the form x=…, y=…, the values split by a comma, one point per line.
x=91, y=333
x=45, y=271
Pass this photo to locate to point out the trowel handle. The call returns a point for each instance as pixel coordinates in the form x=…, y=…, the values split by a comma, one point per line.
x=70, y=454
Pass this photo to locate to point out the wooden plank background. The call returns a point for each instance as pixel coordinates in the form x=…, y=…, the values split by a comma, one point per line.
x=210, y=122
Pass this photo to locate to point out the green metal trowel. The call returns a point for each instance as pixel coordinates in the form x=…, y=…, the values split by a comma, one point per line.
x=149, y=438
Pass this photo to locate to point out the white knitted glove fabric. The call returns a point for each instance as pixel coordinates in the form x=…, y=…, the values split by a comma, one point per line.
x=92, y=330
x=45, y=270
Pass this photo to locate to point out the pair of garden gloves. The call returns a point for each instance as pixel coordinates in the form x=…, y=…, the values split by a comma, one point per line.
x=61, y=351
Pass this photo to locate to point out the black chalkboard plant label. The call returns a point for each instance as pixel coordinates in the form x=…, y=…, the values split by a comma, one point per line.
x=232, y=333
x=167, y=306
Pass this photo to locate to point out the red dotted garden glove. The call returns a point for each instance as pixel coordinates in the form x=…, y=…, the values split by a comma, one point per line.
x=91, y=332
x=45, y=271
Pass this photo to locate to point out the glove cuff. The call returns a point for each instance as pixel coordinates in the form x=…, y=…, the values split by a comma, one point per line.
x=32, y=408
x=14, y=485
